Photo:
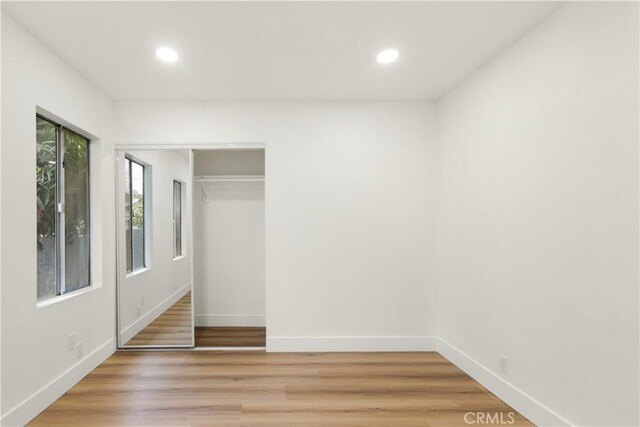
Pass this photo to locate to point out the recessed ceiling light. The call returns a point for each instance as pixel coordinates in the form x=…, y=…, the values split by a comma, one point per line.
x=166, y=54
x=387, y=56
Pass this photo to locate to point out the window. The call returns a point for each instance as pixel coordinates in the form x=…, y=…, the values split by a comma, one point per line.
x=135, y=215
x=62, y=209
x=177, y=219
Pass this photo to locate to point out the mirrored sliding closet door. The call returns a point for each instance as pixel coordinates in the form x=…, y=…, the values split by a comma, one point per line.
x=153, y=248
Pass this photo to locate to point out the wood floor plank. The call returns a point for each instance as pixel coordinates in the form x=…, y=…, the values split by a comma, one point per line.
x=230, y=336
x=173, y=327
x=204, y=388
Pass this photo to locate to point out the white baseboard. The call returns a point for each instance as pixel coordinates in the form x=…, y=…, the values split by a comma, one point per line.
x=141, y=323
x=230, y=320
x=38, y=402
x=530, y=408
x=351, y=343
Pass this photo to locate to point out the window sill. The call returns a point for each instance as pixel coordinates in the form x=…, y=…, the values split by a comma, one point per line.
x=139, y=271
x=178, y=258
x=64, y=297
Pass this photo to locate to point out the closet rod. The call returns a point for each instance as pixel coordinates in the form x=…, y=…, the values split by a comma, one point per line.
x=228, y=178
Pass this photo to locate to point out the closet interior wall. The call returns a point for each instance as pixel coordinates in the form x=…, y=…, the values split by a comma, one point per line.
x=229, y=229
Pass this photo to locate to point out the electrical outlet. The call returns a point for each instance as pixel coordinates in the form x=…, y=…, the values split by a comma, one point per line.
x=504, y=364
x=71, y=341
x=79, y=350
x=139, y=312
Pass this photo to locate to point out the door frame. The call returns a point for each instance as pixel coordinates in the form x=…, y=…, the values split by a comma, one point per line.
x=191, y=148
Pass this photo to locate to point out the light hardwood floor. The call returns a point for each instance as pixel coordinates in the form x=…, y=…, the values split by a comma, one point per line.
x=202, y=388
x=173, y=327
x=230, y=336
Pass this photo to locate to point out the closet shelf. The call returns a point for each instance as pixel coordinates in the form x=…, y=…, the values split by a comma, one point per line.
x=228, y=178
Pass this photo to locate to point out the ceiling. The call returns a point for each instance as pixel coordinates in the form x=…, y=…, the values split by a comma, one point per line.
x=277, y=50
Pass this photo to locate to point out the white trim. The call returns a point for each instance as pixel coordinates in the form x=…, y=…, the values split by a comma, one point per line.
x=24, y=412
x=526, y=405
x=351, y=343
x=64, y=123
x=230, y=320
x=229, y=348
x=131, y=330
x=59, y=298
x=212, y=146
x=228, y=178
x=190, y=238
x=137, y=272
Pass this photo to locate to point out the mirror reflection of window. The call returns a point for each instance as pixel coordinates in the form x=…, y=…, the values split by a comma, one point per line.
x=154, y=219
x=134, y=215
x=177, y=219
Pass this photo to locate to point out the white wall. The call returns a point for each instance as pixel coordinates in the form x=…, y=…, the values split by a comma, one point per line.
x=164, y=279
x=229, y=263
x=36, y=364
x=350, y=233
x=229, y=275
x=228, y=162
x=538, y=218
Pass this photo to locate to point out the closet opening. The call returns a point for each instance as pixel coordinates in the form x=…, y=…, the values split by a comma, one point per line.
x=229, y=248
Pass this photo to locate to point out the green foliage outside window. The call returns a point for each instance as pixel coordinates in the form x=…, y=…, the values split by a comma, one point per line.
x=46, y=178
x=76, y=181
x=138, y=209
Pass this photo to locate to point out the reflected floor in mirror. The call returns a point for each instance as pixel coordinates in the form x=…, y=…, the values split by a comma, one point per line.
x=230, y=336
x=173, y=327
